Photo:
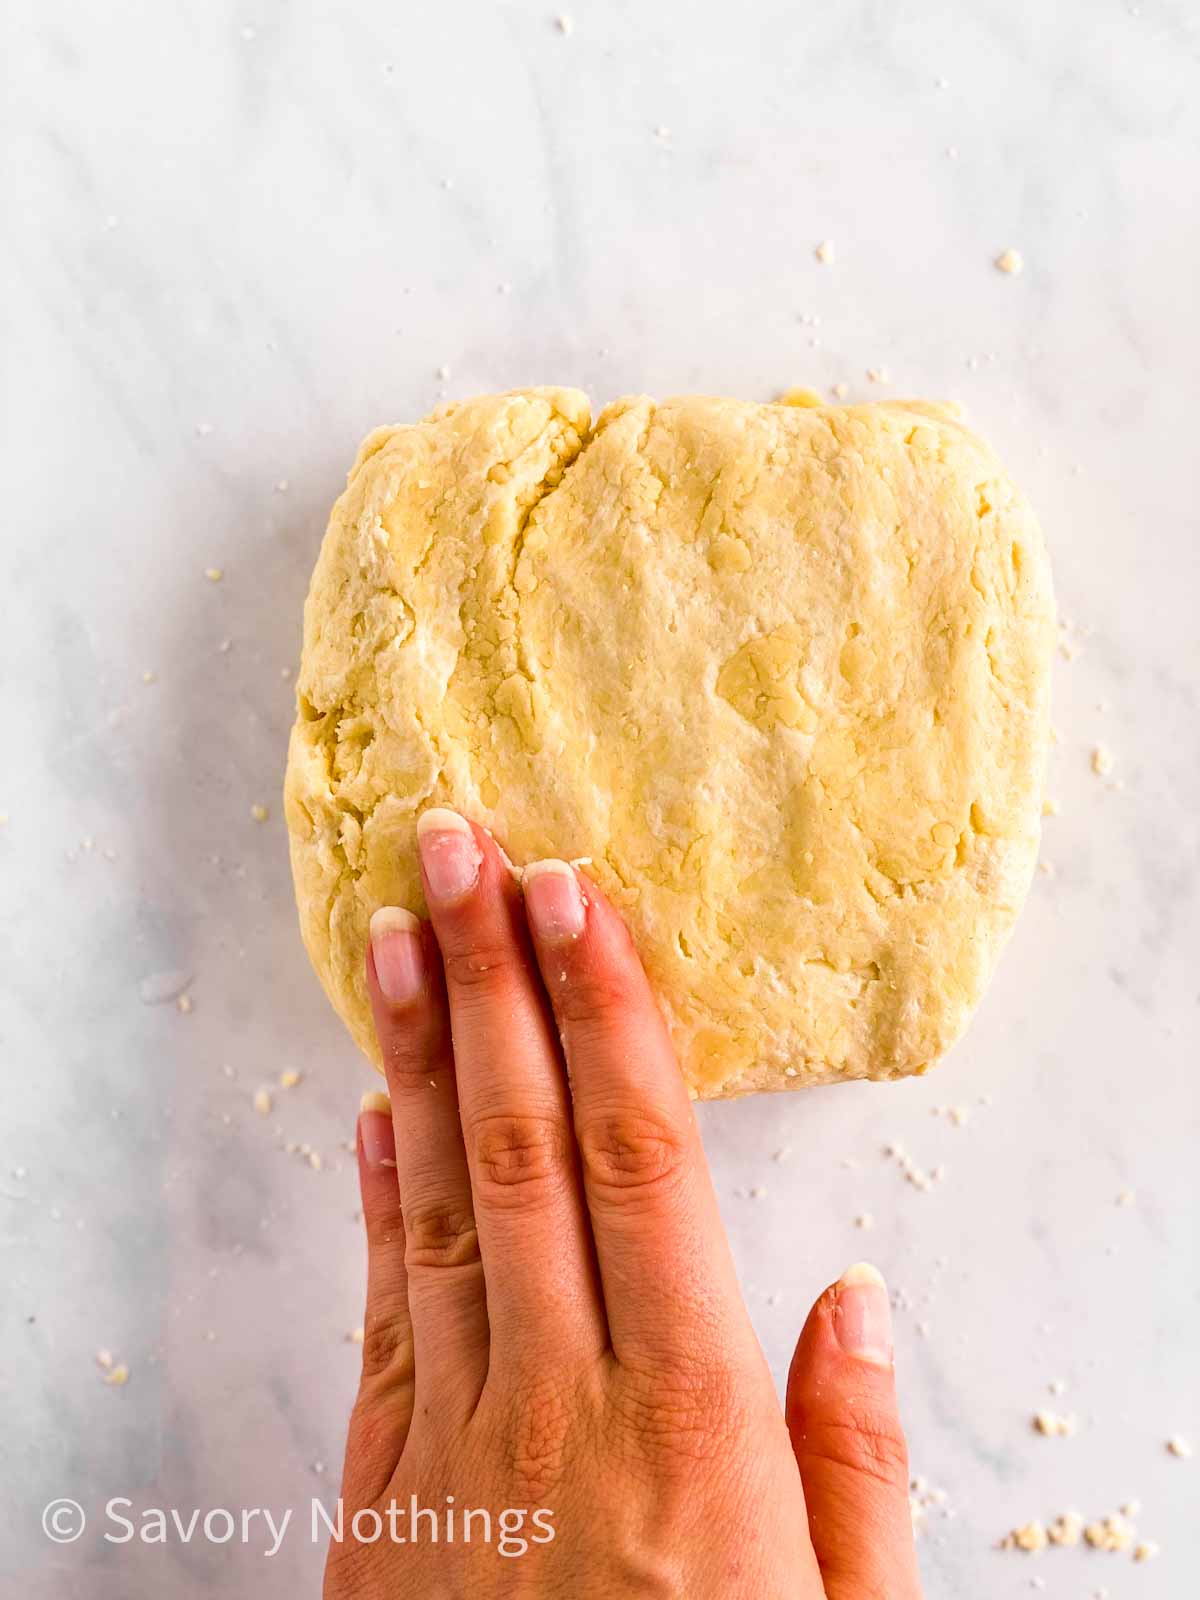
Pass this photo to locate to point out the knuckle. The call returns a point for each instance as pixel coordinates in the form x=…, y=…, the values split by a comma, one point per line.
x=484, y=966
x=868, y=1442
x=518, y=1158
x=383, y=1229
x=687, y=1412
x=416, y=1052
x=592, y=995
x=536, y=1438
x=440, y=1235
x=388, y=1348
x=631, y=1154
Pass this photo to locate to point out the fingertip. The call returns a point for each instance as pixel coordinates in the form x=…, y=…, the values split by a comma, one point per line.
x=555, y=903
x=376, y=1132
x=862, y=1315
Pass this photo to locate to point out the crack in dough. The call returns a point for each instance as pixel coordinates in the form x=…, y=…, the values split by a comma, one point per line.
x=780, y=674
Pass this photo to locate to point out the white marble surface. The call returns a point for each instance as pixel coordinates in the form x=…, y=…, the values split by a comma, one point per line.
x=239, y=235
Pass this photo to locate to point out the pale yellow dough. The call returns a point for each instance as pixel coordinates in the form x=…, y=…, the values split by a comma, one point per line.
x=780, y=674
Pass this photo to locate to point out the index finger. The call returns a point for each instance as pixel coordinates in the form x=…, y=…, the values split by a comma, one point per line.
x=667, y=1274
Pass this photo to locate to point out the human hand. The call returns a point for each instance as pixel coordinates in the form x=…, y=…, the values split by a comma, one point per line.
x=553, y=1323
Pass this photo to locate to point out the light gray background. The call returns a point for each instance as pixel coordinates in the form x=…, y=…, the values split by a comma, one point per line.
x=239, y=236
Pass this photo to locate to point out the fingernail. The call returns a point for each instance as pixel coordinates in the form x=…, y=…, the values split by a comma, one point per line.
x=449, y=854
x=399, y=959
x=375, y=1131
x=553, y=901
x=862, y=1316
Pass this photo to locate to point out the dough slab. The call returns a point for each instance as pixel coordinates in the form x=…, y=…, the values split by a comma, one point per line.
x=780, y=673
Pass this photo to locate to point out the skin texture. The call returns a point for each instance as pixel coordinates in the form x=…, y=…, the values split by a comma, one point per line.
x=553, y=1321
x=778, y=675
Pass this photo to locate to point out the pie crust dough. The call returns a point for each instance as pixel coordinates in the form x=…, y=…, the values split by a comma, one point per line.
x=778, y=673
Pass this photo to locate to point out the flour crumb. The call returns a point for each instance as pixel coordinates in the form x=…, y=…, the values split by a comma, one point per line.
x=183, y=1004
x=1145, y=1551
x=878, y=375
x=149, y=677
x=116, y=1376
x=1010, y=262
x=356, y=1335
x=1102, y=761
x=1125, y=1197
x=214, y=574
x=443, y=373
x=825, y=253
x=840, y=391
x=263, y=1102
x=289, y=1079
x=1179, y=1448
x=259, y=812
x=864, y=1220
x=564, y=24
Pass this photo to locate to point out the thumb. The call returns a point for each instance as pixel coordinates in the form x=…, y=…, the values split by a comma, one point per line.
x=845, y=1428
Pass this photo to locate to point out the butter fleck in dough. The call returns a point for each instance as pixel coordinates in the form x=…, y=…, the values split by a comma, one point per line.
x=779, y=672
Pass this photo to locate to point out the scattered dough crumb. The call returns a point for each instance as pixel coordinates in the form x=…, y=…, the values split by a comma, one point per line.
x=314, y=1160
x=259, y=812
x=443, y=372
x=214, y=574
x=1112, y=1533
x=1030, y=1537
x=841, y=390
x=1125, y=1197
x=183, y=1003
x=1010, y=261
x=262, y=1103
x=117, y=1375
x=1145, y=1551
x=104, y=1358
x=1050, y=807
x=356, y=1335
x=289, y=1079
x=878, y=375
x=1054, y=1426
x=1179, y=1447
x=564, y=24
x=149, y=677
x=1102, y=761
x=825, y=252
x=864, y=1220
x=1066, y=1529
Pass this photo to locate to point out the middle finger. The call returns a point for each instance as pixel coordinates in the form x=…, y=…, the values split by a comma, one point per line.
x=542, y=1289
